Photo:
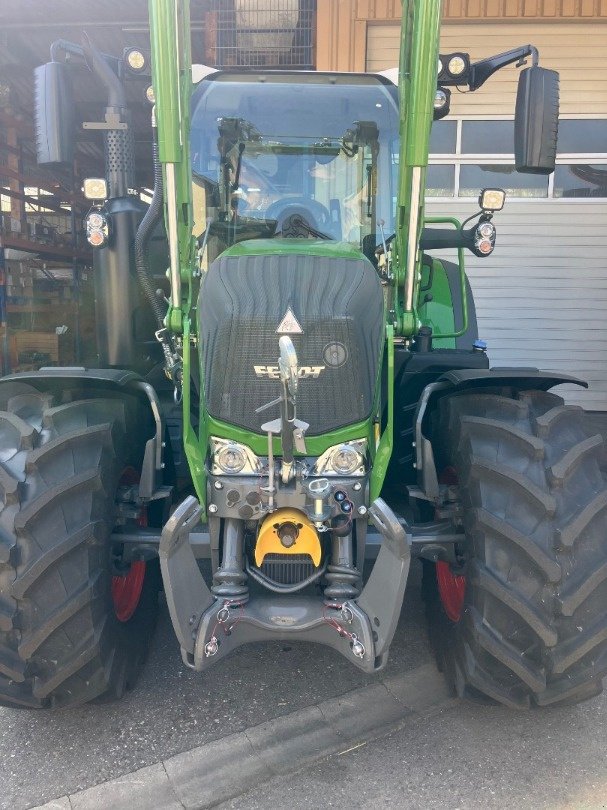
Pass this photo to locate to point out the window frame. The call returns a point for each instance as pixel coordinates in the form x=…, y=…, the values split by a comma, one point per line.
x=458, y=159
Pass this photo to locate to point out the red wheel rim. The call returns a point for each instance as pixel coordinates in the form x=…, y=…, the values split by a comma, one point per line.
x=126, y=591
x=451, y=589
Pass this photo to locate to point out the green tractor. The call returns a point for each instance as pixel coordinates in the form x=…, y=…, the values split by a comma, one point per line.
x=308, y=392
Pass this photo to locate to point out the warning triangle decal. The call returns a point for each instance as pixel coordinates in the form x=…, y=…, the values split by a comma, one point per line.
x=289, y=324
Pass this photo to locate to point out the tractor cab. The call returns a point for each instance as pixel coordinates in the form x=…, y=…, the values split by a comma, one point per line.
x=293, y=155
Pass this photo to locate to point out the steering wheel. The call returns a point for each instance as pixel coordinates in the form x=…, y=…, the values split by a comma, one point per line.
x=312, y=211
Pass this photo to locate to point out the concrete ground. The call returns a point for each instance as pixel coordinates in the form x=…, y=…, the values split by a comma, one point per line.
x=45, y=755
x=467, y=756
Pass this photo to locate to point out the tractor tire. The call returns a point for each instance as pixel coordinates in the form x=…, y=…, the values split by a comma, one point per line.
x=523, y=619
x=61, y=640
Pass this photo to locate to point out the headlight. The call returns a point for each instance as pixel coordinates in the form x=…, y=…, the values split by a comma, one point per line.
x=136, y=60
x=232, y=458
x=97, y=228
x=486, y=230
x=343, y=459
x=96, y=220
x=440, y=99
x=492, y=199
x=456, y=65
x=95, y=188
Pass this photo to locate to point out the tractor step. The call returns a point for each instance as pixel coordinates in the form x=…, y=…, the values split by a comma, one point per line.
x=209, y=628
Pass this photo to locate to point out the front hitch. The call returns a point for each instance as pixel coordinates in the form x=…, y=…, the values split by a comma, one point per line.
x=209, y=628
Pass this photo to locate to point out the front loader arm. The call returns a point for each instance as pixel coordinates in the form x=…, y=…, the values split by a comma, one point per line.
x=172, y=82
x=417, y=86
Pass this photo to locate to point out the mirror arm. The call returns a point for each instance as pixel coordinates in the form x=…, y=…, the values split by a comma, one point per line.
x=483, y=70
x=68, y=48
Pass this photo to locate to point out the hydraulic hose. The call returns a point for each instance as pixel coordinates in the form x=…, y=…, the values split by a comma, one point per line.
x=144, y=232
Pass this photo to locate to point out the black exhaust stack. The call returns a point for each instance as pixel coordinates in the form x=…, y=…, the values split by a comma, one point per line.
x=116, y=288
x=117, y=307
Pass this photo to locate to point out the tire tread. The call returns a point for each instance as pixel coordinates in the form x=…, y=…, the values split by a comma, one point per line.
x=533, y=633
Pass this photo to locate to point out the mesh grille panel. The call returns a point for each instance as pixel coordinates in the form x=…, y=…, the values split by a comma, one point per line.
x=287, y=569
x=265, y=33
x=336, y=301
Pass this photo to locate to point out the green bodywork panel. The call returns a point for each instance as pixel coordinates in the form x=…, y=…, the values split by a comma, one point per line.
x=170, y=38
x=437, y=313
x=315, y=445
x=294, y=247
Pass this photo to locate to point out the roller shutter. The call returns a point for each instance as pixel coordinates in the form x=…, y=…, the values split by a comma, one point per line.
x=542, y=297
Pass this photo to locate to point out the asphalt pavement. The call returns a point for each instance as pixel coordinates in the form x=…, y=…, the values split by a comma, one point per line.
x=467, y=757
x=44, y=755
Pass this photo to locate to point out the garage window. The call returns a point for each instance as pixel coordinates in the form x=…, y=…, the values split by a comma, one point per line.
x=469, y=154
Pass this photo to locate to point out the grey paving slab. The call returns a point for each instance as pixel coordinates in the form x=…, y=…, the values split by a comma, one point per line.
x=299, y=737
x=222, y=769
x=465, y=757
x=209, y=774
x=357, y=714
x=141, y=790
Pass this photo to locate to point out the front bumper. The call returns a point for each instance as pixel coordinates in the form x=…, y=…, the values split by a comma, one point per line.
x=209, y=628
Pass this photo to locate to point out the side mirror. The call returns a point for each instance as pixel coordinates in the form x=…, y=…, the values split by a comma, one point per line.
x=536, y=120
x=54, y=114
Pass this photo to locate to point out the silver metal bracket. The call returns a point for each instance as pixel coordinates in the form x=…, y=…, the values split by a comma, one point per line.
x=299, y=435
x=187, y=594
x=150, y=483
x=382, y=596
x=112, y=121
x=427, y=478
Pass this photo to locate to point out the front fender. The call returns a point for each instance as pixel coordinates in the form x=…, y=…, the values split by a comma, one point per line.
x=523, y=379
x=119, y=381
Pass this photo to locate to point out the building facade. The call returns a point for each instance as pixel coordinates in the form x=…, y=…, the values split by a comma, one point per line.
x=542, y=296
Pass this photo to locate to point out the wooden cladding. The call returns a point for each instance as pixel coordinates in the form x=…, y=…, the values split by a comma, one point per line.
x=342, y=24
x=491, y=9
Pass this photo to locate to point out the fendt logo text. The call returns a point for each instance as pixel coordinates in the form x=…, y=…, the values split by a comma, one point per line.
x=304, y=372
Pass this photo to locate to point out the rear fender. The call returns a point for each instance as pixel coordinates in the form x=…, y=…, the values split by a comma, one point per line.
x=521, y=379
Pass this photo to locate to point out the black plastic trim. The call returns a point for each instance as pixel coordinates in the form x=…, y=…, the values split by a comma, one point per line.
x=522, y=378
x=113, y=376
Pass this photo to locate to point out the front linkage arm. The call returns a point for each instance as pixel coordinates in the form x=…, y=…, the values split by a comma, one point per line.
x=210, y=627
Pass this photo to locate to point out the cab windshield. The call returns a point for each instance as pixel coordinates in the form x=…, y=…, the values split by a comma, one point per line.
x=292, y=155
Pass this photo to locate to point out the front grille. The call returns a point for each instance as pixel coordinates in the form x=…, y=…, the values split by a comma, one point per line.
x=336, y=301
x=287, y=569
